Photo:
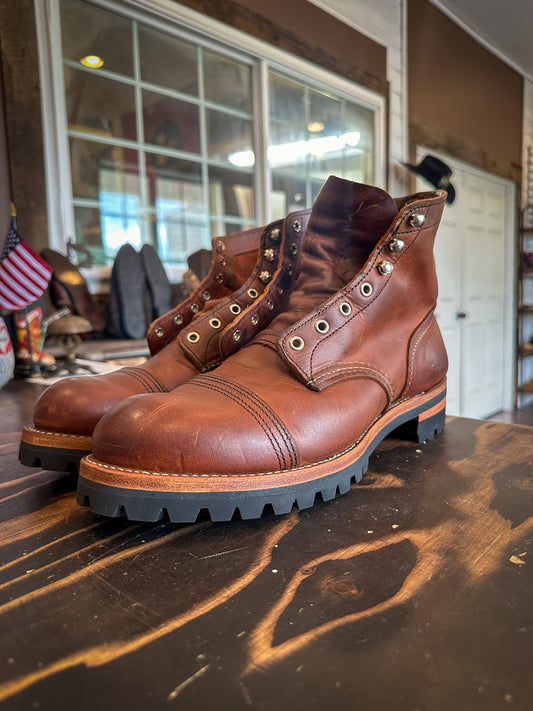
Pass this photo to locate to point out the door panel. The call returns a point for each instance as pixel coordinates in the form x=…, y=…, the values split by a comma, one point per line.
x=470, y=257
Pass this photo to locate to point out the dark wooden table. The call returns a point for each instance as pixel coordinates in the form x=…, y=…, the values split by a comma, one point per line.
x=413, y=591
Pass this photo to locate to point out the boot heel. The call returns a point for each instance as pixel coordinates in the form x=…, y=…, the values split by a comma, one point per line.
x=424, y=426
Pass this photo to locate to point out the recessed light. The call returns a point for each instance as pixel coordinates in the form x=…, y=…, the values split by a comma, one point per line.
x=315, y=127
x=92, y=61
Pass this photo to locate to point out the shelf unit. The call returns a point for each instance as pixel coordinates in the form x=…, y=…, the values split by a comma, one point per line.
x=524, y=350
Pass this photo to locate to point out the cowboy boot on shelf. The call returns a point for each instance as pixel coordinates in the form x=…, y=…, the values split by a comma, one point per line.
x=296, y=413
x=249, y=281
x=30, y=359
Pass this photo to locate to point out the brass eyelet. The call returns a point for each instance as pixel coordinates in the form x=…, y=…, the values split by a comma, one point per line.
x=345, y=308
x=253, y=293
x=265, y=277
x=366, y=289
x=275, y=234
x=159, y=332
x=193, y=337
x=178, y=319
x=269, y=255
x=296, y=343
x=255, y=320
x=195, y=308
x=215, y=322
x=235, y=309
x=322, y=326
x=270, y=305
x=237, y=335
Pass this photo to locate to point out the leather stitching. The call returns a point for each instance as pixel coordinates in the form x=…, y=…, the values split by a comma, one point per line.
x=412, y=355
x=250, y=396
x=260, y=411
x=149, y=381
x=359, y=370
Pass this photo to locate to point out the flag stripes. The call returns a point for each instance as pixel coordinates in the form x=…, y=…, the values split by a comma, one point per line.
x=24, y=275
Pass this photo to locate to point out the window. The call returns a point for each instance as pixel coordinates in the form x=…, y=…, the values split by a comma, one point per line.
x=165, y=134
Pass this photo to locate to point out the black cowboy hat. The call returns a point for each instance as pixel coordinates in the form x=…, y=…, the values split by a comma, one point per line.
x=436, y=172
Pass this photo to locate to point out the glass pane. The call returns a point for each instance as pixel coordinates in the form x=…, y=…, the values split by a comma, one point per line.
x=227, y=82
x=170, y=123
x=99, y=105
x=288, y=194
x=94, y=165
x=231, y=194
x=229, y=138
x=168, y=61
x=324, y=115
x=179, y=221
x=287, y=100
x=104, y=230
x=87, y=30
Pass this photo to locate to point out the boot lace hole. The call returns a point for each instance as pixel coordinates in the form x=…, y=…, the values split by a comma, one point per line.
x=253, y=293
x=345, y=308
x=235, y=309
x=296, y=343
x=159, y=332
x=322, y=326
x=215, y=322
x=255, y=320
x=193, y=337
x=366, y=289
x=178, y=320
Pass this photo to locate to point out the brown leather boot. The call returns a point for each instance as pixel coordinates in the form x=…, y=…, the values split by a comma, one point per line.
x=250, y=279
x=295, y=414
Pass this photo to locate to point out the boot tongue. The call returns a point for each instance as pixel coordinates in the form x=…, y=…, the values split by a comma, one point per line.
x=347, y=221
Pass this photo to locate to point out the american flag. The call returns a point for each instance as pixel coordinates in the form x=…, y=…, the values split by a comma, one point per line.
x=24, y=275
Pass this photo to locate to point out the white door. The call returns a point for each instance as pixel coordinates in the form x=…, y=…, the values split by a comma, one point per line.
x=474, y=254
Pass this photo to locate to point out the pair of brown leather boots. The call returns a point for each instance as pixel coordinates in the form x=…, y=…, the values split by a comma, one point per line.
x=307, y=343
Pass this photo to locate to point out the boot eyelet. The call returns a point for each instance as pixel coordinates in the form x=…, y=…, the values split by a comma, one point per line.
x=366, y=289
x=297, y=226
x=345, y=308
x=222, y=261
x=265, y=277
x=219, y=278
x=253, y=293
x=275, y=234
x=193, y=337
x=255, y=320
x=178, y=320
x=215, y=322
x=270, y=305
x=280, y=290
x=220, y=246
x=269, y=255
x=416, y=220
x=322, y=326
x=296, y=343
x=206, y=295
x=294, y=248
x=396, y=245
x=237, y=335
x=385, y=268
x=159, y=332
x=195, y=308
x=235, y=309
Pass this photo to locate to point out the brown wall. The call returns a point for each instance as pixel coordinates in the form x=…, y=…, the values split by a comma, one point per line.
x=463, y=100
x=23, y=126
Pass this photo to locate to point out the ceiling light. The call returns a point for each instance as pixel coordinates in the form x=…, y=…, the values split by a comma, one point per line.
x=92, y=61
x=315, y=126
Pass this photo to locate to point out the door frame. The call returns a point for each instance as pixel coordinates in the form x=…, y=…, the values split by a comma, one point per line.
x=510, y=237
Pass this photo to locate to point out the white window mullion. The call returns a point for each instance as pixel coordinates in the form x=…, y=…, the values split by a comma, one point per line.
x=261, y=125
x=203, y=146
x=139, y=122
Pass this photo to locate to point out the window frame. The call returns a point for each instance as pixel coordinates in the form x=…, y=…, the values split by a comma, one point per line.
x=189, y=25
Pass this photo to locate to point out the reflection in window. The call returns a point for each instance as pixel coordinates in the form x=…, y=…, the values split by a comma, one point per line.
x=162, y=135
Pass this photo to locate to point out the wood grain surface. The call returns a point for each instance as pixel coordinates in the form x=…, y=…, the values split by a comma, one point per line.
x=413, y=591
